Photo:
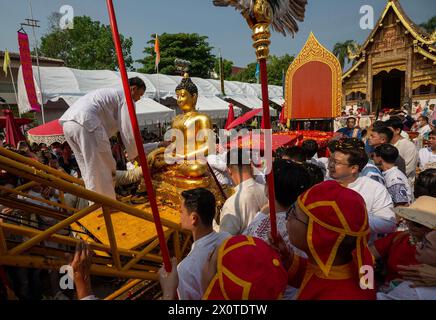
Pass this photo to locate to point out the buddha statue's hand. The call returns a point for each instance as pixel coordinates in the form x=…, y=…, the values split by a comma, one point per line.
x=156, y=159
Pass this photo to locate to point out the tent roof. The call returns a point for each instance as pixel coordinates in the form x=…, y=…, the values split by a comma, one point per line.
x=70, y=84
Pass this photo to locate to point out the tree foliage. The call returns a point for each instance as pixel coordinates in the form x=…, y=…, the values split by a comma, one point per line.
x=430, y=25
x=186, y=46
x=340, y=50
x=276, y=67
x=227, y=66
x=88, y=45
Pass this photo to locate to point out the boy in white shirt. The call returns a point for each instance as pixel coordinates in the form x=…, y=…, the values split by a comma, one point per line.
x=396, y=181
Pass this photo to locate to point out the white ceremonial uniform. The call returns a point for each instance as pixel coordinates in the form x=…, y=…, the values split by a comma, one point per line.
x=241, y=207
x=378, y=204
x=191, y=267
x=88, y=124
x=405, y=292
x=426, y=157
x=408, y=152
x=398, y=186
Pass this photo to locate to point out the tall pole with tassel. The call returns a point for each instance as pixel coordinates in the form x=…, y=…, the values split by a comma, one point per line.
x=138, y=140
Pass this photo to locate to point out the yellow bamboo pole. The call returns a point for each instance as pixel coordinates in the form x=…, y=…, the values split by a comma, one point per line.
x=123, y=289
x=26, y=186
x=29, y=232
x=59, y=226
x=46, y=179
x=32, y=208
x=111, y=235
x=48, y=263
x=177, y=248
x=42, y=200
x=3, y=246
x=144, y=252
x=19, y=158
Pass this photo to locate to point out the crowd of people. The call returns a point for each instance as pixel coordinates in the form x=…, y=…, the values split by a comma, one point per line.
x=367, y=207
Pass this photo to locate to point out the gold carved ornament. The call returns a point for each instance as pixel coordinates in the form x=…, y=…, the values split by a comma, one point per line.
x=314, y=51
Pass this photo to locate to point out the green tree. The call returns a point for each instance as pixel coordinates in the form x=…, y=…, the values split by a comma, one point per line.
x=227, y=66
x=340, y=50
x=88, y=45
x=430, y=25
x=276, y=66
x=186, y=46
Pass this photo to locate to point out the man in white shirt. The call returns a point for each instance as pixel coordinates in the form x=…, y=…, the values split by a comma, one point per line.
x=249, y=197
x=406, y=148
x=197, y=213
x=423, y=127
x=396, y=182
x=344, y=166
x=427, y=156
x=218, y=163
x=90, y=122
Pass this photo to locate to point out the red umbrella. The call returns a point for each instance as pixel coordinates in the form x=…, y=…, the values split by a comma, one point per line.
x=244, y=118
x=230, y=116
x=47, y=133
x=256, y=141
x=13, y=133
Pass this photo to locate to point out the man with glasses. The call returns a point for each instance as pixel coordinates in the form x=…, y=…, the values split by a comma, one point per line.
x=345, y=166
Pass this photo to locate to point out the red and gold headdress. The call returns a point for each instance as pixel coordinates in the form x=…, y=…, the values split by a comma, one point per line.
x=248, y=269
x=335, y=212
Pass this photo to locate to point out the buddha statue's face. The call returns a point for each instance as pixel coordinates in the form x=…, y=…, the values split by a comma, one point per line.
x=185, y=100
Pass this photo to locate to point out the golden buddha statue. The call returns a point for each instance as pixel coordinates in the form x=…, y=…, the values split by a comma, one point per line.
x=190, y=142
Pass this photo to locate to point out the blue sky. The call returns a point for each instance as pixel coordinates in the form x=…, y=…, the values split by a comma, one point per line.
x=330, y=20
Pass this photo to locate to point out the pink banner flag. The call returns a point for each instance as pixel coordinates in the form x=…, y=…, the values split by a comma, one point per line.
x=26, y=66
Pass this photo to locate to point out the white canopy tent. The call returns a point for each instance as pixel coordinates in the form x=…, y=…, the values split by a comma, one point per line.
x=70, y=84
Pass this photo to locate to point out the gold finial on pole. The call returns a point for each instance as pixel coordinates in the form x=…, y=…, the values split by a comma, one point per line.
x=260, y=27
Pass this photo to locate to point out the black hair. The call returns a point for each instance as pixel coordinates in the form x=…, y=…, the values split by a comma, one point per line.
x=355, y=149
x=378, y=124
x=351, y=118
x=315, y=173
x=290, y=181
x=202, y=201
x=137, y=82
x=188, y=85
x=310, y=148
x=394, y=122
x=385, y=131
x=295, y=153
x=425, y=184
x=425, y=118
x=332, y=145
x=387, y=152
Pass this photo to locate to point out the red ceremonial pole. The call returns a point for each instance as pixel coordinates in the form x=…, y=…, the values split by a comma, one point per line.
x=138, y=139
x=268, y=147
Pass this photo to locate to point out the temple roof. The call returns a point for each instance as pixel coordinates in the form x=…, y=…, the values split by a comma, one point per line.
x=425, y=43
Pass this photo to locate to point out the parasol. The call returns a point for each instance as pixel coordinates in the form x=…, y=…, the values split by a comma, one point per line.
x=13, y=133
x=47, y=133
x=244, y=118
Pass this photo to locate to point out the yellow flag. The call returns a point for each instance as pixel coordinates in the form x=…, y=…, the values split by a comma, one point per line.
x=6, y=63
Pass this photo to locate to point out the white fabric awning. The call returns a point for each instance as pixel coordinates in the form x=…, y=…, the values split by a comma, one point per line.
x=252, y=103
x=280, y=101
x=215, y=108
x=149, y=112
x=71, y=84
